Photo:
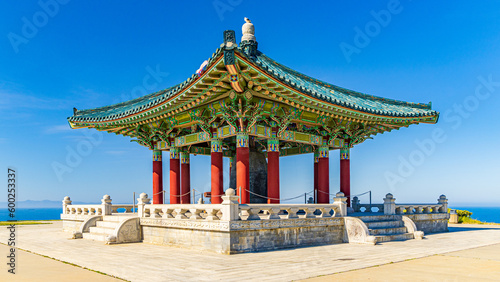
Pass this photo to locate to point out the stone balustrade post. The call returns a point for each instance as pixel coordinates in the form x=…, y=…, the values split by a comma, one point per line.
x=230, y=206
x=65, y=203
x=341, y=201
x=389, y=204
x=141, y=202
x=106, y=205
x=355, y=204
x=443, y=201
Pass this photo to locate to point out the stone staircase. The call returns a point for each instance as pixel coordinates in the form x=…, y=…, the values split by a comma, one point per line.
x=386, y=227
x=105, y=227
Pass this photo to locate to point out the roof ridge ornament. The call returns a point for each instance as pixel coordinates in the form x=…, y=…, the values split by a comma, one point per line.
x=248, y=41
x=228, y=47
x=248, y=31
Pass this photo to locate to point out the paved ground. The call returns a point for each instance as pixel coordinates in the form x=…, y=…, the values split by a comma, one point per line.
x=477, y=264
x=145, y=262
x=31, y=267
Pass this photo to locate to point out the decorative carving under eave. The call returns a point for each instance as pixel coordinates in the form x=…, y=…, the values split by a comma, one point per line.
x=333, y=131
x=227, y=116
x=143, y=138
x=356, y=133
x=202, y=122
x=255, y=114
x=236, y=117
x=284, y=121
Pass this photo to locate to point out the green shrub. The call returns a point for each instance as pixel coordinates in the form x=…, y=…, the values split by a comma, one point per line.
x=463, y=216
x=463, y=213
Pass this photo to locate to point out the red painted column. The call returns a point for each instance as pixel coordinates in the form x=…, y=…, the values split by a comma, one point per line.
x=216, y=171
x=316, y=160
x=185, y=179
x=323, y=176
x=345, y=173
x=273, y=171
x=242, y=167
x=157, y=177
x=175, y=175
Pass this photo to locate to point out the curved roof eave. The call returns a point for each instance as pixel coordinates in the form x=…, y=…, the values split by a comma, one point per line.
x=338, y=96
x=124, y=109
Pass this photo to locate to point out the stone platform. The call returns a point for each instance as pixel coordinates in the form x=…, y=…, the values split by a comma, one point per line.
x=231, y=228
x=147, y=262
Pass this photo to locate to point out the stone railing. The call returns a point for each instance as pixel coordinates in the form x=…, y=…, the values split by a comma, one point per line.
x=183, y=211
x=128, y=208
x=82, y=211
x=230, y=210
x=288, y=211
x=390, y=207
x=418, y=208
x=358, y=207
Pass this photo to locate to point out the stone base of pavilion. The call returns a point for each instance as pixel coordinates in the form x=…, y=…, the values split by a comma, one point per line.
x=230, y=227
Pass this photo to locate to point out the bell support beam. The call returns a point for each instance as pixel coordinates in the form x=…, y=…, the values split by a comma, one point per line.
x=185, y=179
x=242, y=167
x=345, y=173
x=175, y=175
x=273, y=171
x=316, y=161
x=157, y=177
x=324, y=175
x=217, y=176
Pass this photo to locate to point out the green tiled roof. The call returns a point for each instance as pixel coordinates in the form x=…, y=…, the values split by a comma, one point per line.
x=338, y=95
x=298, y=81
x=130, y=107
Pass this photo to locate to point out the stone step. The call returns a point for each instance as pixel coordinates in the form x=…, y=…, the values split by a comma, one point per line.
x=101, y=230
x=110, y=224
x=95, y=236
x=384, y=224
x=386, y=231
x=394, y=237
x=117, y=218
x=370, y=218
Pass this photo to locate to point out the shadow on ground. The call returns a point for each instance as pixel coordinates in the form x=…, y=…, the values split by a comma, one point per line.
x=471, y=228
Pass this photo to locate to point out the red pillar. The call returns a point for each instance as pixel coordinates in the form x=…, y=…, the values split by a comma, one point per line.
x=185, y=178
x=273, y=171
x=242, y=167
x=175, y=175
x=316, y=160
x=323, y=176
x=345, y=174
x=217, y=174
x=157, y=177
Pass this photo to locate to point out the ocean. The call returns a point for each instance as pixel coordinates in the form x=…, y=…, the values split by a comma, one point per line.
x=486, y=214
x=32, y=214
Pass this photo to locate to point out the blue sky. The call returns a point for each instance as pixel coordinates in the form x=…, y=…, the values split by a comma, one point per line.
x=83, y=55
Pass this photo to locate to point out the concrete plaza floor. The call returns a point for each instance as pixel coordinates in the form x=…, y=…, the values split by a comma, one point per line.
x=476, y=264
x=418, y=259
x=32, y=267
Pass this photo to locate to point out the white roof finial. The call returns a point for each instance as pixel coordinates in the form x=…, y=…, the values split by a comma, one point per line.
x=248, y=31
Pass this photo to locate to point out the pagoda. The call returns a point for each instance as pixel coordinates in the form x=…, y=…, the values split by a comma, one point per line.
x=241, y=98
